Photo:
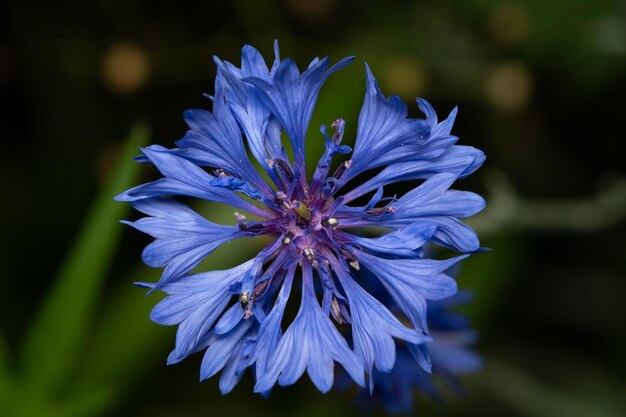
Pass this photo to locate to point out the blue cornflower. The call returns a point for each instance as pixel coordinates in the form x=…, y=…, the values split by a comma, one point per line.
x=236, y=315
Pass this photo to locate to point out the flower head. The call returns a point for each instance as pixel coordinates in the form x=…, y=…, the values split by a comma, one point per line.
x=236, y=315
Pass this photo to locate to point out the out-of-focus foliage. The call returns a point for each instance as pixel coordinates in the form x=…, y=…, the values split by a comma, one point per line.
x=540, y=87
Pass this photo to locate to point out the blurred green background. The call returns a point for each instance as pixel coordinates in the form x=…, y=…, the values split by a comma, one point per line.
x=540, y=86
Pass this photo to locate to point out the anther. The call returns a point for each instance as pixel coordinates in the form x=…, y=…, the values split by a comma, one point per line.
x=218, y=172
x=280, y=196
x=309, y=253
x=355, y=264
x=331, y=221
x=286, y=240
x=244, y=299
x=239, y=216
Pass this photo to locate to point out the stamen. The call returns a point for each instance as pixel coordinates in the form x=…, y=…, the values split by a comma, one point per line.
x=285, y=169
x=354, y=262
x=336, y=310
x=239, y=216
x=327, y=203
x=259, y=289
x=251, y=227
x=342, y=168
x=379, y=211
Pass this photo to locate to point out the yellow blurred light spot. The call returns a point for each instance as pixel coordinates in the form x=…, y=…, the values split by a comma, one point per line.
x=125, y=68
x=405, y=77
x=509, y=24
x=509, y=86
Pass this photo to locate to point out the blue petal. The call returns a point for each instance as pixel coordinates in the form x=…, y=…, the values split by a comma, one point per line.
x=432, y=202
x=233, y=371
x=454, y=234
x=186, y=179
x=183, y=238
x=429, y=149
x=413, y=281
x=401, y=242
x=437, y=130
x=439, y=140
x=195, y=303
x=191, y=330
x=229, y=319
x=383, y=127
x=313, y=343
x=217, y=138
x=460, y=204
x=270, y=333
x=429, y=111
x=252, y=116
x=180, y=256
x=223, y=348
x=422, y=356
x=291, y=97
x=458, y=160
x=373, y=327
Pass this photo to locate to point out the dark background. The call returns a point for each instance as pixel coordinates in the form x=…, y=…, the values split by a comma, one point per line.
x=540, y=88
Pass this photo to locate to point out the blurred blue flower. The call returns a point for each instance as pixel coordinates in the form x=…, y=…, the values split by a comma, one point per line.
x=236, y=315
